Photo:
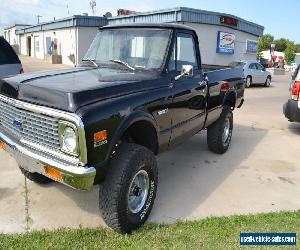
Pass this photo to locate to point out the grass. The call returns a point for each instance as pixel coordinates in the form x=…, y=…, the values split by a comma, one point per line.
x=211, y=233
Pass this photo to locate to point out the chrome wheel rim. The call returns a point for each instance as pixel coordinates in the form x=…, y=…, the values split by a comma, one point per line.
x=138, y=191
x=226, y=132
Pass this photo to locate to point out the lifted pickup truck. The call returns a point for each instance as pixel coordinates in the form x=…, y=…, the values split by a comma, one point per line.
x=140, y=90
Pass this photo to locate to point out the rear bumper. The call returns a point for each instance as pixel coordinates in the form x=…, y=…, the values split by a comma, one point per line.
x=77, y=177
x=291, y=111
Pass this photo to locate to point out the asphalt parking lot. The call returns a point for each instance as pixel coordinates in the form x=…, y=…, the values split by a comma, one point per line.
x=260, y=173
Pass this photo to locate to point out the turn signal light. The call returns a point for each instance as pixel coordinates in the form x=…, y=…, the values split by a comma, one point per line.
x=52, y=172
x=296, y=91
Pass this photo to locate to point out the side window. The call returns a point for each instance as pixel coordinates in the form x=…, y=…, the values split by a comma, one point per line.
x=186, y=51
x=252, y=66
x=184, y=54
x=259, y=66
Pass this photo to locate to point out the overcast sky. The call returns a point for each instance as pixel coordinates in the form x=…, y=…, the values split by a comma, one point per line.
x=280, y=18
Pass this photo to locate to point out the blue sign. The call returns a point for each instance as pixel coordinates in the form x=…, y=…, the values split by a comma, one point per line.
x=268, y=239
x=251, y=46
x=225, y=43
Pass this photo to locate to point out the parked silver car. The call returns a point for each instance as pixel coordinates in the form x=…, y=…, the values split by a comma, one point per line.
x=254, y=73
x=10, y=64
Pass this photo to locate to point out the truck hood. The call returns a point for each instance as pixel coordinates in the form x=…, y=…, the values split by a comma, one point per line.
x=70, y=89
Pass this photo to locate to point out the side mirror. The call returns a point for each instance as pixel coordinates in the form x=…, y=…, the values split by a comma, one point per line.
x=186, y=70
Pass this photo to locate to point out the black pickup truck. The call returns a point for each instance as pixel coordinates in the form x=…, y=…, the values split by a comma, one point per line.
x=140, y=90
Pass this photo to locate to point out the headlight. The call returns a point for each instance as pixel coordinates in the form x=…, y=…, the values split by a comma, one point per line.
x=68, y=138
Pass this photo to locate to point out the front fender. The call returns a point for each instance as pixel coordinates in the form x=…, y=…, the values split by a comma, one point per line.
x=126, y=123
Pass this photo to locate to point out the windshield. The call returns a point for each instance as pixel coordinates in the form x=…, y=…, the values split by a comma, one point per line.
x=136, y=48
x=237, y=64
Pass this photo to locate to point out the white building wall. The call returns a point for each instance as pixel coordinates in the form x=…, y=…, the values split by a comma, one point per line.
x=85, y=36
x=23, y=47
x=10, y=36
x=207, y=35
x=66, y=43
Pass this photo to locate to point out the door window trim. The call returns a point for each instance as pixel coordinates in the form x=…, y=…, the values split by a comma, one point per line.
x=175, y=47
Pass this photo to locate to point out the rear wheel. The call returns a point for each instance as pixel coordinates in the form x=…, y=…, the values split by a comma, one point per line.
x=35, y=177
x=219, y=134
x=127, y=195
x=268, y=82
x=248, y=81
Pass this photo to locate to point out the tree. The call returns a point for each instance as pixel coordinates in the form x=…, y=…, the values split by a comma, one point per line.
x=290, y=52
x=281, y=44
x=264, y=42
x=297, y=48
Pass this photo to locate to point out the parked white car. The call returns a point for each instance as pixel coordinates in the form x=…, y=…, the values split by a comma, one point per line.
x=294, y=67
x=254, y=73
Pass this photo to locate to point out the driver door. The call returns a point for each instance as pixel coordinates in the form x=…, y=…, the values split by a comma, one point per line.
x=189, y=92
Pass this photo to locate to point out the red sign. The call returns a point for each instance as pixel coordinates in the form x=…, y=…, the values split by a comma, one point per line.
x=228, y=20
x=122, y=12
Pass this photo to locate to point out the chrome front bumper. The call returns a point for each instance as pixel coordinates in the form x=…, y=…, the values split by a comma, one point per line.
x=77, y=177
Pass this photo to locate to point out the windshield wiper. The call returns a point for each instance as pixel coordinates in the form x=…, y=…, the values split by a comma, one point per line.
x=123, y=63
x=91, y=60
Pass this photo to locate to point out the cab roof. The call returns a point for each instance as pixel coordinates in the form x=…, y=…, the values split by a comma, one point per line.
x=148, y=25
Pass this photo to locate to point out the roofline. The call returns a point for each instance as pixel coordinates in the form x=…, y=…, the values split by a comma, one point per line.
x=185, y=9
x=14, y=25
x=181, y=18
x=67, y=22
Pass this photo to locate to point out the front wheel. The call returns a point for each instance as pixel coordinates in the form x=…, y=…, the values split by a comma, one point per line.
x=219, y=134
x=127, y=195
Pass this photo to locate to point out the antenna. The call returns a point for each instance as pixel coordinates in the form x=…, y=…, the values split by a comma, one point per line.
x=93, y=5
x=68, y=10
x=38, y=18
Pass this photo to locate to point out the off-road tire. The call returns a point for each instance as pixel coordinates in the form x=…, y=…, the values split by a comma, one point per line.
x=215, y=132
x=128, y=160
x=36, y=177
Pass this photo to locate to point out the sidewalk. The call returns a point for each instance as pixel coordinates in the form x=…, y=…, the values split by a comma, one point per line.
x=31, y=64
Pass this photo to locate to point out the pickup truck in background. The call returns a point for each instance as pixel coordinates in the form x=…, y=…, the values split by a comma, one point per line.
x=291, y=109
x=140, y=90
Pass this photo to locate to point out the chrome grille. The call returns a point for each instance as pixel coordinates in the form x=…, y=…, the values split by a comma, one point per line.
x=28, y=126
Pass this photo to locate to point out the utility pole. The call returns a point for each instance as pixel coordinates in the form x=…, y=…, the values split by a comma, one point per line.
x=38, y=18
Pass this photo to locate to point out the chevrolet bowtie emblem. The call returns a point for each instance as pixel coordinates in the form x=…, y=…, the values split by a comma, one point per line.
x=18, y=123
